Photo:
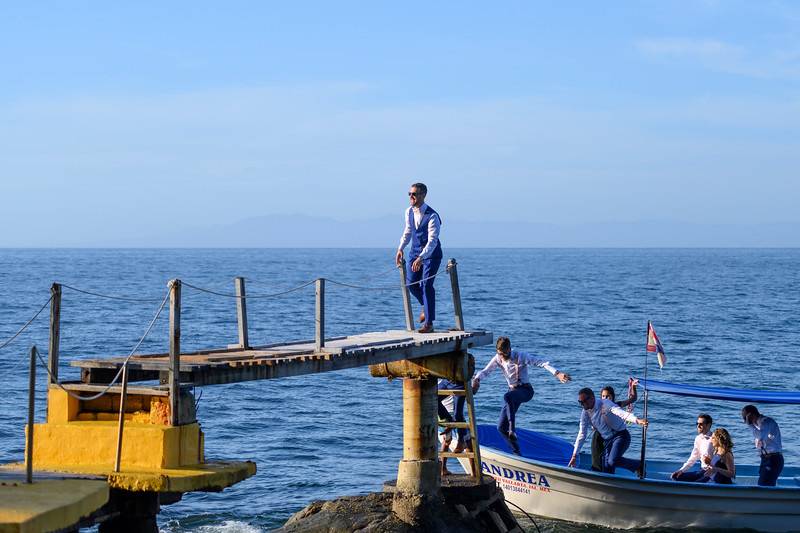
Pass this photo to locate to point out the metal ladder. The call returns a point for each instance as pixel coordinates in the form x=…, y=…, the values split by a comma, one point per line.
x=473, y=455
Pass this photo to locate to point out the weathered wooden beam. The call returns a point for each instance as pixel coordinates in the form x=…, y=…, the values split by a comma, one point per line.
x=121, y=426
x=241, y=313
x=174, y=349
x=55, y=331
x=31, y=407
x=287, y=368
x=319, y=322
x=406, y=297
x=452, y=268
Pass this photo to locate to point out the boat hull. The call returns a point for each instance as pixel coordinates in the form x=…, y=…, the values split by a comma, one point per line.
x=623, y=501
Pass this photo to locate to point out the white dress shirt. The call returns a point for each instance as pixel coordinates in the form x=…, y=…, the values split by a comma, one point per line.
x=702, y=446
x=515, y=368
x=606, y=417
x=434, y=225
x=767, y=435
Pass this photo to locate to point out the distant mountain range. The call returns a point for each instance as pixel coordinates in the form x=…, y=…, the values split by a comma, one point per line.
x=309, y=231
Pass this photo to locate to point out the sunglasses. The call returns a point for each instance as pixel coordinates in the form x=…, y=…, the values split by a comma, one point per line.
x=414, y=194
x=583, y=402
x=699, y=424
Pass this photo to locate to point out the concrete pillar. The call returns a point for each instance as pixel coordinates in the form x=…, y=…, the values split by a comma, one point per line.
x=418, y=480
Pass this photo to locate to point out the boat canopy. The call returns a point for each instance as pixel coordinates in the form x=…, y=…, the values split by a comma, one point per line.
x=735, y=395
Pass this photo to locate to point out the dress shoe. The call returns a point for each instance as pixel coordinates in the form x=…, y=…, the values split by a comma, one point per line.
x=422, y=317
x=427, y=328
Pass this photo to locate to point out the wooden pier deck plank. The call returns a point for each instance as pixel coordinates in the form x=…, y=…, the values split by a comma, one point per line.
x=293, y=358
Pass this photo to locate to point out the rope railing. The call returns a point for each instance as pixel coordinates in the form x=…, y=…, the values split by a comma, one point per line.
x=25, y=326
x=386, y=288
x=109, y=296
x=119, y=372
x=250, y=296
x=240, y=296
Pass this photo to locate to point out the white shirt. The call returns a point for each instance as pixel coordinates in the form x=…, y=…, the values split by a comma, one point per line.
x=449, y=402
x=434, y=225
x=606, y=417
x=515, y=368
x=767, y=435
x=702, y=446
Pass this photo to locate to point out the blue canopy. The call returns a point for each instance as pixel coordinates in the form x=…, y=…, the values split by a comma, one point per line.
x=736, y=395
x=533, y=445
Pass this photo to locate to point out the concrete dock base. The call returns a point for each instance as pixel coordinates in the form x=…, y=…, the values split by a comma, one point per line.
x=48, y=504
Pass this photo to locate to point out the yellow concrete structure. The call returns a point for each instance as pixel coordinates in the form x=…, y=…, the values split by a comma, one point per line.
x=144, y=446
x=81, y=437
x=49, y=504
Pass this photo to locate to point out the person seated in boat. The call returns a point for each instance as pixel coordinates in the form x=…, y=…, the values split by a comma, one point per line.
x=607, y=393
x=720, y=468
x=702, y=447
x=514, y=364
x=451, y=409
x=608, y=419
x=767, y=439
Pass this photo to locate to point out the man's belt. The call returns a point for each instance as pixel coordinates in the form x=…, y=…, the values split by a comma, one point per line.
x=770, y=454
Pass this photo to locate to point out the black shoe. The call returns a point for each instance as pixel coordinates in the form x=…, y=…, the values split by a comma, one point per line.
x=513, y=442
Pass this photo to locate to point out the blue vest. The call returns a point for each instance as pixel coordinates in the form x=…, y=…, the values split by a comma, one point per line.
x=419, y=235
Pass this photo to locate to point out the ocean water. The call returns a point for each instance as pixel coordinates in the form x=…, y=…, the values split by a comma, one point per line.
x=726, y=317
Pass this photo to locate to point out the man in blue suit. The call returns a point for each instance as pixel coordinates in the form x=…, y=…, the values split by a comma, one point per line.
x=422, y=225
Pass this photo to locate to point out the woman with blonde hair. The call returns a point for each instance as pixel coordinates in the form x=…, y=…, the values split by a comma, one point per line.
x=721, y=468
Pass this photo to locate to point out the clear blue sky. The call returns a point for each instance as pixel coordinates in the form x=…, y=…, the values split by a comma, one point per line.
x=124, y=119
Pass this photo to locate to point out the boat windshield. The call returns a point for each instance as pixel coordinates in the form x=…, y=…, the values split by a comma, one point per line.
x=734, y=395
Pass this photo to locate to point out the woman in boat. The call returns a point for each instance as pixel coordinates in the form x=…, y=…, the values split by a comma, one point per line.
x=607, y=393
x=721, y=468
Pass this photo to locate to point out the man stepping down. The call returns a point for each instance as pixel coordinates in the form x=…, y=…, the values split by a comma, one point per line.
x=608, y=419
x=514, y=364
x=422, y=226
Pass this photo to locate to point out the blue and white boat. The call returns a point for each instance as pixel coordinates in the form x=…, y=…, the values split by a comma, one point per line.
x=540, y=482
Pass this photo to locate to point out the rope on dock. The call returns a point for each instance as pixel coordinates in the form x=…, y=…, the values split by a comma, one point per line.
x=109, y=296
x=248, y=296
x=124, y=364
x=28, y=323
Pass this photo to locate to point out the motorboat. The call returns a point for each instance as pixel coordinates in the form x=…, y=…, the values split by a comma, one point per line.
x=539, y=481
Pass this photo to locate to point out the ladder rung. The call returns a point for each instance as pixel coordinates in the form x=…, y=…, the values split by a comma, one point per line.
x=458, y=425
x=469, y=455
x=452, y=392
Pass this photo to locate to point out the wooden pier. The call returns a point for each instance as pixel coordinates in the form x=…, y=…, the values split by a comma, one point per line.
x=146, y=439
x=281, y=360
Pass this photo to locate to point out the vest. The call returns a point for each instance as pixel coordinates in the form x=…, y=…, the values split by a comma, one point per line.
x=419, y=235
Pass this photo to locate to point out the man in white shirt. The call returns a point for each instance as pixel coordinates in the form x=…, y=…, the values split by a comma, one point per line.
x=514, y=365
x=451, y=409
x=702, y=447
x=608, y=419
x=422, y=225
x=767, y=439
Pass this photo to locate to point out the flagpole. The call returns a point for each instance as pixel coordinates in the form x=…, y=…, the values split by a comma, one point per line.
x=642, y=472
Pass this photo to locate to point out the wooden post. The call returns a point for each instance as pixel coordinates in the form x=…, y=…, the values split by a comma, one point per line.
x=477, y=471
x=452, y=268
x=31, y=406
x=241, y=313
x=406, y=298
x=319, y=333
x=121, y=427
x=55, y=330
x=174, y=350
